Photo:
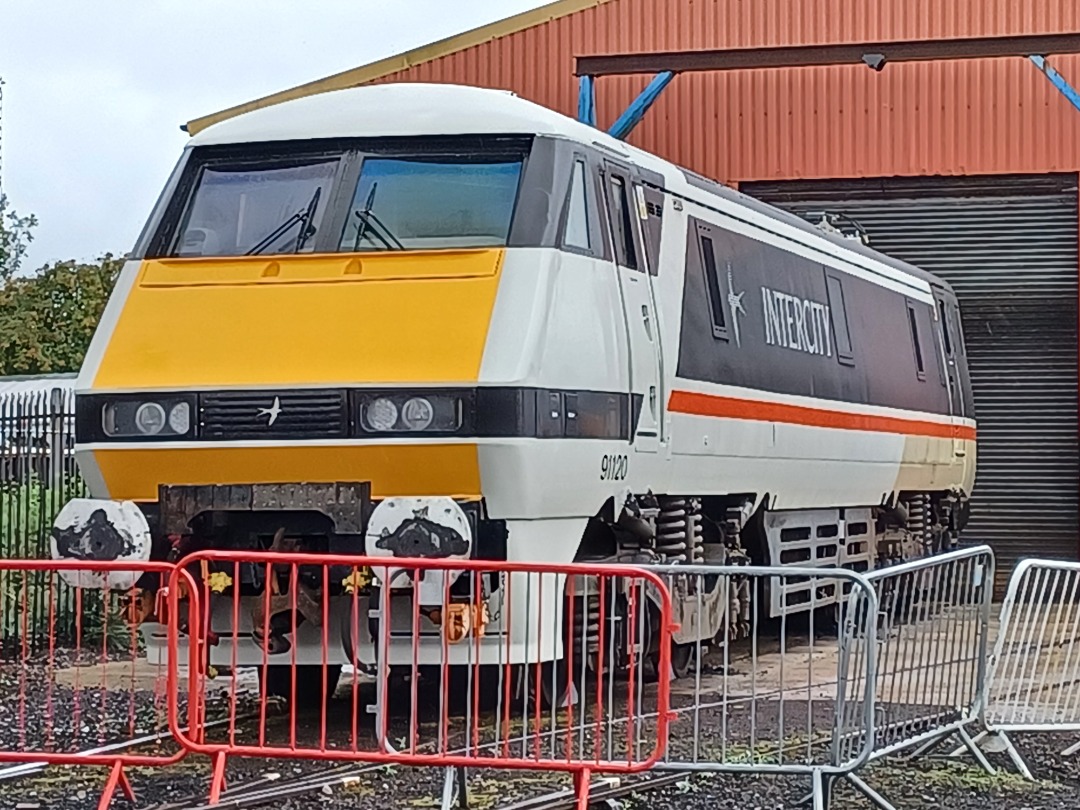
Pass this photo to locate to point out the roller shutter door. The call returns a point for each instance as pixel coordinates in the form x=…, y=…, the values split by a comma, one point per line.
x=1008, y=245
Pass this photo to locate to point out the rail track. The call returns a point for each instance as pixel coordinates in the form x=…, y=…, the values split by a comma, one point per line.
x=33, y=768
x=272, y=788
x=603, y=791
x=275, y=787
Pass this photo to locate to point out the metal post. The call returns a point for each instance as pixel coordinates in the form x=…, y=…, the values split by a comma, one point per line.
x=587, y=100
x=641, y=105
x=55, y=441
x=1059, y=81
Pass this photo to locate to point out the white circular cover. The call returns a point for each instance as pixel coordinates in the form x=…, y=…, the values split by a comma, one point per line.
x=444, y=530
x=419, y=528
x=108, y=531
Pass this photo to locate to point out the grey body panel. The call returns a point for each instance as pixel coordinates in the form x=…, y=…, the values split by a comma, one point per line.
x=883, y=369
x=1009, y=247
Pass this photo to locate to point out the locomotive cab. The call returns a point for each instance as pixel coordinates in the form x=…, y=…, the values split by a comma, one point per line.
x=381, y=343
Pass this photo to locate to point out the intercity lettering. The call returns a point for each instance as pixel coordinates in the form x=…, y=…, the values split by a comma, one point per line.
x=796, y=323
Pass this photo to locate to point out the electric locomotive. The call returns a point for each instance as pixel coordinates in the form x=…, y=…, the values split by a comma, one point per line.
x=410, y=319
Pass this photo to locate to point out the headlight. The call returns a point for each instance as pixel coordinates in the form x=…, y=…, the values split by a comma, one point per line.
x=150, y=419
x=381, y=415
x=166, y=417
x=418, y=414
x=411, y=413
x=180, y=418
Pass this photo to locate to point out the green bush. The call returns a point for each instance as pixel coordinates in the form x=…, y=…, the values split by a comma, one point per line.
x=22, y=508
x=27, y=512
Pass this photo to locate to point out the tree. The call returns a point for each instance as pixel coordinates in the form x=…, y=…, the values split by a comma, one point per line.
x=48, y=317
x=16, y=233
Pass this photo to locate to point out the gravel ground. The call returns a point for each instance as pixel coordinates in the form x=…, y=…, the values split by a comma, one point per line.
x=957, y=784
x=70, y=718
x=929, y=784
x=73, y=716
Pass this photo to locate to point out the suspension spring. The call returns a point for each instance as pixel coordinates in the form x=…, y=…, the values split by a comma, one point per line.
x=918, y=523
x=678, y=531
x=586, y=631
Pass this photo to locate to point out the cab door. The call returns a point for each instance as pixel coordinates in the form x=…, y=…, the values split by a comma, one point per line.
x=626, y=211
x=948, y=330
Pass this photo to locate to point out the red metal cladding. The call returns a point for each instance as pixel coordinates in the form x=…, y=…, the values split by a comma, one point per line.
x=82, y=685
x=944, y=118
x=457, y=661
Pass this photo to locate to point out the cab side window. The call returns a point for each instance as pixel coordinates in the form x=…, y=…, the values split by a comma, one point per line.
x=712, y=281
x=958, y=327
x=838, y=308
x=916, y=341
x=576, y=230
x=622, y=227
x=945, y=330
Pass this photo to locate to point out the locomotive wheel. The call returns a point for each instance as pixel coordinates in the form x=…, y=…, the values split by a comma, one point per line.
x=682, y=659
x=557, y=688
x=310, y=694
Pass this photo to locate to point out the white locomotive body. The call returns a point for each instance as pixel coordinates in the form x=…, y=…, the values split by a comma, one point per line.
x=591, y=353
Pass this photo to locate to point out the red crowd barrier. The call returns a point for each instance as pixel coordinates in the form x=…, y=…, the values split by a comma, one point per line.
x=75, y=686
x=463, y=664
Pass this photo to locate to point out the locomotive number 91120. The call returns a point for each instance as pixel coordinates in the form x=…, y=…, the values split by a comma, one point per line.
x=613, y=468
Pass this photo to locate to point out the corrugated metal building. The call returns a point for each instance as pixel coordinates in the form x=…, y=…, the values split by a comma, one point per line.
x=966, y=168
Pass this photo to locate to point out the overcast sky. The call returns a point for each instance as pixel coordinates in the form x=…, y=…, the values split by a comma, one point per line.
x=95, y=90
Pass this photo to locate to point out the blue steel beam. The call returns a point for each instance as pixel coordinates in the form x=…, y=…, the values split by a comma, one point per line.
x=586, y=109
x=1059, y=81
x=641, y=105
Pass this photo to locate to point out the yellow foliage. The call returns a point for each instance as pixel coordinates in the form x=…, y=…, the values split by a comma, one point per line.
x=357, y=580
x=219, y=581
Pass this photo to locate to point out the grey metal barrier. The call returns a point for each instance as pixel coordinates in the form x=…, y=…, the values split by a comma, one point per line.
x=930, y=648
x=1034, y=674
x=763, y=695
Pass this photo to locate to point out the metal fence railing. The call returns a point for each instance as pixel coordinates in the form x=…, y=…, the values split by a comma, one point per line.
x=670, y=669
x=38, y=475
x=1035, y=667
x=931, y=644
x=473, y=645
x=762, y=696
x=67, y=704
x=911, y=667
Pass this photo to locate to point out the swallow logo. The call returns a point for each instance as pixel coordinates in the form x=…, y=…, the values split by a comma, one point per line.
x=735, y=302
x=274, y=411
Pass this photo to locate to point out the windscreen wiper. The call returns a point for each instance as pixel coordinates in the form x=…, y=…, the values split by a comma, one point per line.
x=367, y=217
x=304, y=216
x=309, y=216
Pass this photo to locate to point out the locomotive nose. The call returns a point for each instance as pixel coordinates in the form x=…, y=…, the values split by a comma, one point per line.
x=298, y=368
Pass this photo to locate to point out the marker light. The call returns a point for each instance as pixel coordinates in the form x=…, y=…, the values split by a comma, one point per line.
x=131, y=417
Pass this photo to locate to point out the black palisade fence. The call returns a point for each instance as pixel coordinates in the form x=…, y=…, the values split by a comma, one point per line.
x=38, y=475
